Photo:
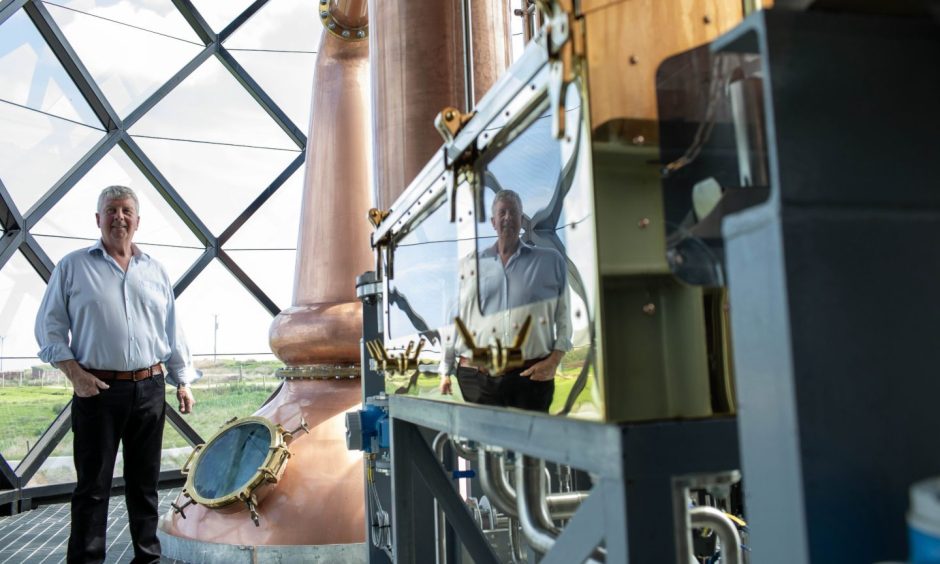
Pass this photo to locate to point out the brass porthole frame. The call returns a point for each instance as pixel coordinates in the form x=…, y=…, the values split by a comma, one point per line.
x=269, y=472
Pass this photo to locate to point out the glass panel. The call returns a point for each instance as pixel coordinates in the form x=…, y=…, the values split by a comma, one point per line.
x=275, y=224
x=159, y=16
x=126, y=76
x=175, y=448
x=37, y=150
x=21, y=291
x=535, y=264
x=281, y=25
x=33, y=76
x=59, y=467
x=422, y=295
x=713, y=141
x=286, y=77
x=210, y=106
x=30, y=399
x=217, y=182
x=220, y=14
x=70, y=224
x=215, y=297
x=231, y=460
x=265, y=246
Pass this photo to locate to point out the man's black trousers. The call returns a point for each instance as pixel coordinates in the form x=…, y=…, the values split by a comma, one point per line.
x=131, y=413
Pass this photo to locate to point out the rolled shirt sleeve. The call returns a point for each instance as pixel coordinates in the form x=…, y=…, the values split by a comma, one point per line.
x=52, y=320
x=563, y=314
x=179, y=365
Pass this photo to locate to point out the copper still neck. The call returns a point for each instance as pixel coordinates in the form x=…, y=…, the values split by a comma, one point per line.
x=324, y=324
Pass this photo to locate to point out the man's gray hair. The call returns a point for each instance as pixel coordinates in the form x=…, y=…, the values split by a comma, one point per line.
x=510, y=195
x=117, y=192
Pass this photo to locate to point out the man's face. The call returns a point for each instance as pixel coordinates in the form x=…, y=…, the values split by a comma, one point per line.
x=507, y=218
x=118, y=221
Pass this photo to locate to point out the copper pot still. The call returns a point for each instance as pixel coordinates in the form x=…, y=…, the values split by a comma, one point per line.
x=319, y=498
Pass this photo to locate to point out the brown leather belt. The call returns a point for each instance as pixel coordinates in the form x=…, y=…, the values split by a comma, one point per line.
x=465, y=363
x=135, y=375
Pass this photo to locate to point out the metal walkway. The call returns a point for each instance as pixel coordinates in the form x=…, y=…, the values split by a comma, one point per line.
x=41, y=535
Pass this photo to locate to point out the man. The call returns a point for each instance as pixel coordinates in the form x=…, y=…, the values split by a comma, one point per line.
x=515, y=280
x=117, y=303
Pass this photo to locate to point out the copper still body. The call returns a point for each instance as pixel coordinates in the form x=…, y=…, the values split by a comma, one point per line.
x=416, y=73
x=319, y=500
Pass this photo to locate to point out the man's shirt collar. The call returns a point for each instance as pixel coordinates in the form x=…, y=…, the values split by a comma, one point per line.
x=135, y=250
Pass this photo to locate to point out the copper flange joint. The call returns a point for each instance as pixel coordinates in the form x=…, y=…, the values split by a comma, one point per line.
x=337, y=28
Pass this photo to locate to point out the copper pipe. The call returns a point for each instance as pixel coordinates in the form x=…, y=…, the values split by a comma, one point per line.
x=416, y=72
x=318, y=500
x=350, y=13
x=325, y=322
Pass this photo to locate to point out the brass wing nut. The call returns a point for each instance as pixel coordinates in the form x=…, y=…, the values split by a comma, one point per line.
x=450, y=121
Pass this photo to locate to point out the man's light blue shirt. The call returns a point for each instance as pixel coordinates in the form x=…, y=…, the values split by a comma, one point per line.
x=118, y=320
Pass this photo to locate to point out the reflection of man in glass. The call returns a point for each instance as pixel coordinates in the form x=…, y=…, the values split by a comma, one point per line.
x=516, y=280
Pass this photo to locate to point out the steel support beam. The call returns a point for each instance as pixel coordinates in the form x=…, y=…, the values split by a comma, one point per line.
x=50, y=439
x=412, y=458
x=37, y=257
x=242, y=18
x=201, y=263
x=74, y=67
x=169, y=85
x=583, y=533
x=260, y=96
x=8, y=478
x=195, y=20
x=70, y=178
x=9, y=244
x=10, y=217
x=182, y=427
x=262, y=198
x=9, y=7
x=248, y=283
x=587, y=445
x=170, y=195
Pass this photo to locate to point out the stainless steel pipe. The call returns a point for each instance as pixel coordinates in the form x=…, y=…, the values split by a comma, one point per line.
x=706, y=516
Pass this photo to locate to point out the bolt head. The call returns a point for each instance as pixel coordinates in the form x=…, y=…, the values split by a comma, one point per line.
x=360, y=34
x=634, y=59
x=346, y=33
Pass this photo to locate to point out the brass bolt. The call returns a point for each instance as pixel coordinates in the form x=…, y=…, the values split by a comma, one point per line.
x=649, y=309
x=449, y=116
x=643, y=223
x=634, y=60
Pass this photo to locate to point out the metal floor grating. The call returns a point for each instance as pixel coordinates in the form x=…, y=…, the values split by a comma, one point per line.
x=41, y=535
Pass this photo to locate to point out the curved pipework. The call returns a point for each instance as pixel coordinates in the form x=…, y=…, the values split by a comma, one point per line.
x=533, y=512
x=439, y=520
x=564, y=505
x=723, y=527
x=494, y=483
x=324, y=324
